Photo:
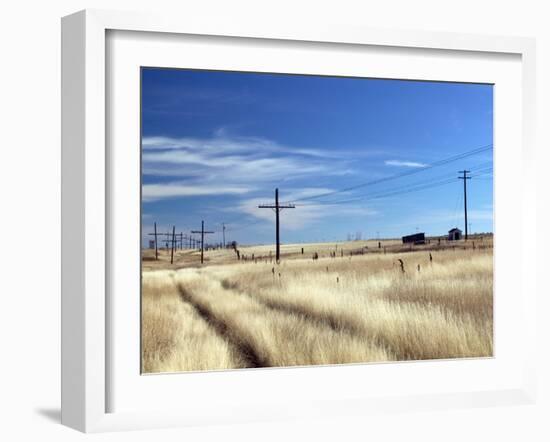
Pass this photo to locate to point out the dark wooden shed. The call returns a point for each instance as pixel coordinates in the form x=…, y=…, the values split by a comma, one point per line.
x=417, y=238
x=455, y=234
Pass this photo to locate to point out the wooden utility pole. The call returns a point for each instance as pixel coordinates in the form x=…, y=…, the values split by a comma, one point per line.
x=277, y=207
x=156, y=234
x=173, y=242
x=464, y=177
x=184, y=240
x=223, y=227
x=156, y=248
x=202, y=232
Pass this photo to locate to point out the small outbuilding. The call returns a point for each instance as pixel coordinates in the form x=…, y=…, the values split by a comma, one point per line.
x=417, y=238
x=455, y=234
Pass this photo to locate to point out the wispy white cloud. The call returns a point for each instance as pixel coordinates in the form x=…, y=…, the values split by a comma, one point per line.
x=154, y=192
x=221, y=144
x=303, y=215
x=225, y=164
x=235, y=163
x=400, y=163
x=236, y=160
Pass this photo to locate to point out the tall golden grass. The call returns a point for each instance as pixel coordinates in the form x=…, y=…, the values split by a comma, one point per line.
x=329, y=311
x=174, y=337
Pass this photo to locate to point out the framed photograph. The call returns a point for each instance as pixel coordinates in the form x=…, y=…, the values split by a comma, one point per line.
x=266, y=222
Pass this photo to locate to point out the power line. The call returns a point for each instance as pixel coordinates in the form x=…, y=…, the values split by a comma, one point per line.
x=426, y=184
x=381, y=191
x=480, y=170
x=372, y=182
x=483, y=172
x=393, y=177
x=409, y=189
x=438, y=181
x=484, y=165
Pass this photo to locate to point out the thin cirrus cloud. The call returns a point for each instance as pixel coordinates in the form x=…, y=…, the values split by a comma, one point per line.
x=399, y=163
x=154, y=192
x=222, y=144
x=303, y=215
x=235, y=160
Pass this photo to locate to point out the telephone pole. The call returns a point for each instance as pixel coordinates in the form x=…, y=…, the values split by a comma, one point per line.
x=173, y=244
x=156, y=248
x=223, y=226
x=277, y=207
x=156, y=234
x=465, y=177
x=202, y=232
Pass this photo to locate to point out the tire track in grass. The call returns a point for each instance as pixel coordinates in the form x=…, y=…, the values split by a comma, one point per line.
x=329, y=321
x=401, y=352
x=240, y=345
x=336, y=324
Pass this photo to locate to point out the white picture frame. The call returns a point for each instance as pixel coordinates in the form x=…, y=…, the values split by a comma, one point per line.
x=86, y=315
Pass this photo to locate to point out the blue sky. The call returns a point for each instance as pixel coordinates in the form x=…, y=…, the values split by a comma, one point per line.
x=217, y=144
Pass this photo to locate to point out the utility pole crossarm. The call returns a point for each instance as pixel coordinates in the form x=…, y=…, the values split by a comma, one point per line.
x=267, y=206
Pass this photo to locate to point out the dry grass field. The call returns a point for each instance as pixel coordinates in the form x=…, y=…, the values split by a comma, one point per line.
x=359, y=307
